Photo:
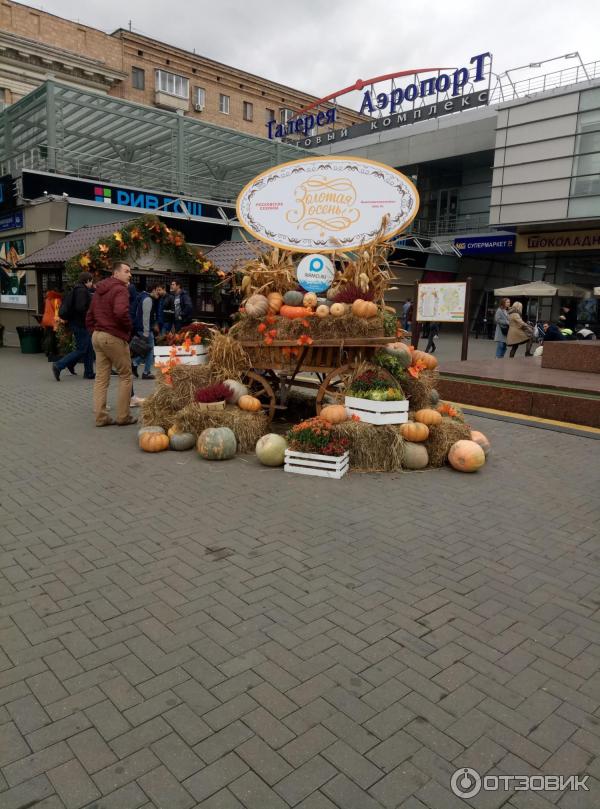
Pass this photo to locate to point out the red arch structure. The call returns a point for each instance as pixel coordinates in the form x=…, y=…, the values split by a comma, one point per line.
x=360, y=84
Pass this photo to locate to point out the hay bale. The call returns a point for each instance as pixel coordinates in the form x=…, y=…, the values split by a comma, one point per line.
x=320, y=328
x=160, y=408
x=441, y=438
x=247, y=427
x=418, y=391
x=373, y=448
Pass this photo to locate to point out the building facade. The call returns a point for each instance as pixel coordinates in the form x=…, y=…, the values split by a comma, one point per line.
x=36, y=46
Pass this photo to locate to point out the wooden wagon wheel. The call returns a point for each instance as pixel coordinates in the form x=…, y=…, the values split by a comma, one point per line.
x=336, y=382
x=261, y=388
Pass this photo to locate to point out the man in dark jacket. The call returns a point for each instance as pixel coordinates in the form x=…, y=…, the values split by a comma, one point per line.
x=165, y=310
x=109, y=321
x=182, y=303
x=81, y=298
x=143, y=325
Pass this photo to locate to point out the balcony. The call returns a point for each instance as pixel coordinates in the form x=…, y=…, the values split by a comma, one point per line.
x=166, y=101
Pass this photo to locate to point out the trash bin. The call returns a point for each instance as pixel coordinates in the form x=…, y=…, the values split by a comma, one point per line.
x=30, y=339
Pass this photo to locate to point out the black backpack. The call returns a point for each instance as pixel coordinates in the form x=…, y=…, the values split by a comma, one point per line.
x=66, y=307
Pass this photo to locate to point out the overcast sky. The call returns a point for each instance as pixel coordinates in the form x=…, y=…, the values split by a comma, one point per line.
x=320, y=46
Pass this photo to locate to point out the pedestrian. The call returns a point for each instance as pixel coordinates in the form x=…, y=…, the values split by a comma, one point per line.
x=552, y=332
x=79, y=300
x=182, y=306
x=407, y=314
x=49, y=321
x=165, y=312
x=143, y=325
x=110, y=324
x=519, y=332
x=434, y=333
x=501, y=320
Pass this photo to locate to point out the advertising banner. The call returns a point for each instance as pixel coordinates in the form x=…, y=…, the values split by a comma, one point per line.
x=13, y=281
x=326, y=204
x=559, y=241
x=441, y=303
x=485, y=244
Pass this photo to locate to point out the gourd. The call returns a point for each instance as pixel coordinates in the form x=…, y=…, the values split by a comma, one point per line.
x=482, y=440
x=322, y=311
x=217, y=444
x=154, y=442
x=142, y=430
x=270, y=449
x=275, y=301
x=293, y=298
x=434, y=397
x=310, y=300
x=415, y=456
x=466, y=456
x=257, y=306
x=414, y=431
x=338, y=309
x=334, y=414
x=182, y=441
x=428, y=360
x=293, y=312
x=401, y=352
x=428, y=416
x=365, y=309
x=249, y=403
x=237, y=390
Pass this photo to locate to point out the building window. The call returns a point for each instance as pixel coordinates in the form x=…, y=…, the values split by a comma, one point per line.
x=248, y=111
x=285, y=115
x=172, y=84
x=224, y=103
x=199, y=98
x=269, y=115
x=138, y=78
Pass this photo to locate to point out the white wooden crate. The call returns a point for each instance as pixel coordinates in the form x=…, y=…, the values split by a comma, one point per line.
x=377, y=412
x=200, y=357
x=324, y=466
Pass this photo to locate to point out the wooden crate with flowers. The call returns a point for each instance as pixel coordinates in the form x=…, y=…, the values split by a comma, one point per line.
x=314, y=450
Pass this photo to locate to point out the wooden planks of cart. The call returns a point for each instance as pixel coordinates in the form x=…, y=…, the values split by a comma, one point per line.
x=331, y=362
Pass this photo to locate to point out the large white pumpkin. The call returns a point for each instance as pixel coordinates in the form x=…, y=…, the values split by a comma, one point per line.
x=237, y=390
x=270, y=449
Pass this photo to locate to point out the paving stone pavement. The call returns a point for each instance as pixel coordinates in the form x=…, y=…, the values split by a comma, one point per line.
x=178, y=635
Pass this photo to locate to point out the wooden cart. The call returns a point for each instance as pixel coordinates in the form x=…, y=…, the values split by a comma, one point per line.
x=275, y=371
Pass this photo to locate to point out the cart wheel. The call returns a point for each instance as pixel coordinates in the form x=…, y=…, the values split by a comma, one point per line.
x=336, y=382
x=261, y=389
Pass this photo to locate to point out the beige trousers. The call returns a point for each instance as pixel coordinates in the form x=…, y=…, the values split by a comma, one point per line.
x=111, y=352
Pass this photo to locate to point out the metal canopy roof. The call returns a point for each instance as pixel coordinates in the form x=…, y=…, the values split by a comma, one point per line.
x=86, y=134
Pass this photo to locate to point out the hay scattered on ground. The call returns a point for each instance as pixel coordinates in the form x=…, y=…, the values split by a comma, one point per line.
x=418, y=391
x=373, y=448
x=326, y=328
x=247, y=427
x=441, y=438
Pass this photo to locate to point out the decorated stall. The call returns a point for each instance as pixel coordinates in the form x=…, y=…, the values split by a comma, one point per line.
x=314, y=341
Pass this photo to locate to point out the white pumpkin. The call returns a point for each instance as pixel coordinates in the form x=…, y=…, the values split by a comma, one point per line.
x=237, y=390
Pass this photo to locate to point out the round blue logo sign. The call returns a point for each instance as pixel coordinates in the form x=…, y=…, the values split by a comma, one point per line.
x=315, y=273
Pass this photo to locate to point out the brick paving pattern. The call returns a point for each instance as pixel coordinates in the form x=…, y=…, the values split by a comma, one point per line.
x=178, y=635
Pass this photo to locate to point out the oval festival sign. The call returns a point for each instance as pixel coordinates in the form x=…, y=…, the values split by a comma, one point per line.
x=325, y=204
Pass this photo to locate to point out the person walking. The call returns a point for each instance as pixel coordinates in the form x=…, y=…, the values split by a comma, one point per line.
x=79, y=303
x=182, y=306
x=143, y=325
x=110, y=324
x=433, y=334
x=519, y=332
x=165, y=312
x=501, y=320
x=49, y=321
x=407, y=314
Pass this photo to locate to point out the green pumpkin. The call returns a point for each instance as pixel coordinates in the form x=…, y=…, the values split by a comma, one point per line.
x=270, y=449
x=182, y=441
x=150, y=430
x=402, y=355
x=293, y=298
x=415, y=456
x=217, y=444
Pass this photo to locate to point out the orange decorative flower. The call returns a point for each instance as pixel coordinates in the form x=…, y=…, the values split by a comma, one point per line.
x=197, y=339
x=261, y=328
x=354, y=417
x=268, y=341
x=273, y=333
x=103, y=248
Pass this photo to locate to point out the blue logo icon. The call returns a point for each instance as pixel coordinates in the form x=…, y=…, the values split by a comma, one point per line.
x=316, y=264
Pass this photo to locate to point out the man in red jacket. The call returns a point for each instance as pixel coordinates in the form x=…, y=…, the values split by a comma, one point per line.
x=109, y=321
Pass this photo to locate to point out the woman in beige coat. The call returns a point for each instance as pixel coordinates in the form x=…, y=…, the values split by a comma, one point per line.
x=519, y=332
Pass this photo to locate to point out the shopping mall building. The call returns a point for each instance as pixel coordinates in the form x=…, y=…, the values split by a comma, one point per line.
x=508, y=172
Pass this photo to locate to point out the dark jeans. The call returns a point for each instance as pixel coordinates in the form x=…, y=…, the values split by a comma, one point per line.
x=83, y=351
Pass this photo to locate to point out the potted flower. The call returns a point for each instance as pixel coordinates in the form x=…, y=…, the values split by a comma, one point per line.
x=213, y=397
x=314, y=450
x=372, y=397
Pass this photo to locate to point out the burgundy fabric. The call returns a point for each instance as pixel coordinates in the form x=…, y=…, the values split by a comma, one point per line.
x=109, y=310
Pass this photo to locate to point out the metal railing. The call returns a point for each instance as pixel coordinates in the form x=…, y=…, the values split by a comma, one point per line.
x=506, y=88
x=469, y=223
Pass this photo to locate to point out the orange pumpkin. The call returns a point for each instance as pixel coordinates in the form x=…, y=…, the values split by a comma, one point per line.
x=414, y=431
x=154, y=442
x=365, y=309
x=310, y=300
x=466, y=456
x=428, y=416
x=338, y=309
x=428, y=360
x=249, y=403
x=482, y=440
x=335, y=414
x=275, y=301
x=293, y=312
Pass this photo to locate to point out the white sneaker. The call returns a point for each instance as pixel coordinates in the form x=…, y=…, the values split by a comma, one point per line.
x=136, y=401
